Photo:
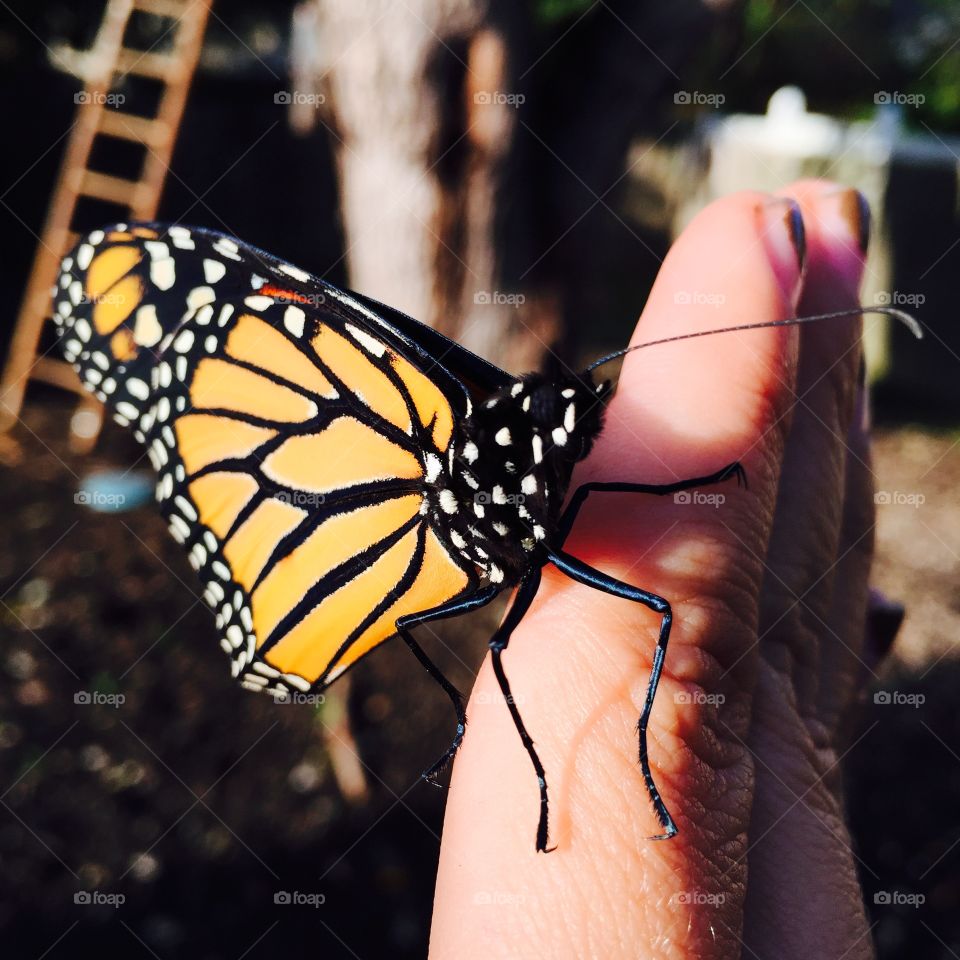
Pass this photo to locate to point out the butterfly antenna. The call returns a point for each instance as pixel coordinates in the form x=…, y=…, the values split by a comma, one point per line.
x=908, y=321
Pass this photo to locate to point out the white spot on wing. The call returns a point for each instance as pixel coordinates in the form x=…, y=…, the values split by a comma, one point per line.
x=84, y=256
x=82, y=329
x=293, y=320
x=294, y=272
x=199, y=296
x=184, y=341
x=213, y=270
x=302, y=685
x=373, y=345
x=146, y=328
x=258, y=302
x=502, y=436
x=227, y=247
x=185, y=506
x=163, y=273
x=137, y=388
x=433, y=467
x=178, y=524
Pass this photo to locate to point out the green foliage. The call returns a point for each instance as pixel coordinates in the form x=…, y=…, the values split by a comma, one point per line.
x=105, y=683
x=548, y=12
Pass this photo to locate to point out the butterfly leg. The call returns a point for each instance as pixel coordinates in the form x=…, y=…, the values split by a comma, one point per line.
x=589, y=576
x=657, y=489
x=498, y=643
x=404, y=626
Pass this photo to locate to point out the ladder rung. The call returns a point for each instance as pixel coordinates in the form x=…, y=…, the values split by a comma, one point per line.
x=128, y=126
x=103, y=186
x=159, y=66
x=161, y=8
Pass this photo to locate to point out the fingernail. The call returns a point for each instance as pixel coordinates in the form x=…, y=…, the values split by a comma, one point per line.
x=786, y=241
x=846, y=214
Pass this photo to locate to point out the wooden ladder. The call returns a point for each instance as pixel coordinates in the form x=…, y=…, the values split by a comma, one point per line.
x=98, y=116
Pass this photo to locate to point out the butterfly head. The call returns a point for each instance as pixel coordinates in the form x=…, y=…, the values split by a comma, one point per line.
x=538, y=420
x=512, y=465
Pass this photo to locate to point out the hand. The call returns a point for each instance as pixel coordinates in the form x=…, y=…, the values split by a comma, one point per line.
x=769, y=593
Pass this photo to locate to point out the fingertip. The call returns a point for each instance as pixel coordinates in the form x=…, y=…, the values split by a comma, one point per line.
x=838, y=223
x=739, y=261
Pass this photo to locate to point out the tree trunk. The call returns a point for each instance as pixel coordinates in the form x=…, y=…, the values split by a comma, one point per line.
x=479, y=154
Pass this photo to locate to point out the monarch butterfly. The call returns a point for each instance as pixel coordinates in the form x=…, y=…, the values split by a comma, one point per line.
x=337, y=472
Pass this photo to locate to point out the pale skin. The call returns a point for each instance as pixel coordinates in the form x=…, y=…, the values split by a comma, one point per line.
x=769, y=593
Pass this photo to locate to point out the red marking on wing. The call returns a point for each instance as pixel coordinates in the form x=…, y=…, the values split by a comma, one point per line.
x=279, y=293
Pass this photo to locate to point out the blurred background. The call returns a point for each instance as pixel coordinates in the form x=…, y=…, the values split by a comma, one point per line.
x=512, y=172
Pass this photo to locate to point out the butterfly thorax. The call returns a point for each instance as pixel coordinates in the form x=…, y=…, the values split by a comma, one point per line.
x=509, y=467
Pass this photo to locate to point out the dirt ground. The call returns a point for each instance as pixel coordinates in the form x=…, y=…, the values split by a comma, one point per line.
x=198, y=803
